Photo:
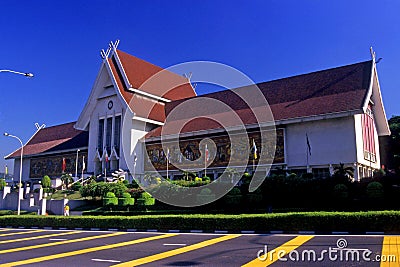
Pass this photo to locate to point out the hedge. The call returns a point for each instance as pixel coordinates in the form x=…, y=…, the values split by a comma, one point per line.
x=387, y=221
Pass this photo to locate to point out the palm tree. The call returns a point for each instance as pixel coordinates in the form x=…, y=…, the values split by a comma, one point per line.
x=343, y=172
x=66, y=179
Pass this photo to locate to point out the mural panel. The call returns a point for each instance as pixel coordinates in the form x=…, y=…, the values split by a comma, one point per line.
x=52, y=165
x=189, y=149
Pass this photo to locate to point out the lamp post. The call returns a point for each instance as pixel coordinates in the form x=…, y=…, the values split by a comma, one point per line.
x=27, y=74
x=20, y=171
x=76, y=164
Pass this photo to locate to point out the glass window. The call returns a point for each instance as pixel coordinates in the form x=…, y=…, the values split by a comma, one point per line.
x=108, y=134
x=117, y=133
x=100, y=136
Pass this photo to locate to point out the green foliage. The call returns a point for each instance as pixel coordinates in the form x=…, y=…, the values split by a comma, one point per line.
x=206, y=179
x=198, y=179
x=387, y=221
x=189, y=183
x=394, y=144
x=110, y=195
x=2, y=184
x=76, y=186
x=375, y=191
x=341, y=192
x=98, y=190
x=146, y=200
x=66, y=179
x=46, y=181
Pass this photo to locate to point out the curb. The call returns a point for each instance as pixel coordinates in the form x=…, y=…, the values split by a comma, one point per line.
x=246, y=232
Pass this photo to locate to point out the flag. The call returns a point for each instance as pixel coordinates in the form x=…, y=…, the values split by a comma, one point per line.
x=254, y=150
x=207, y=153
x=106, y=156
x=134, y=158
x=6, y=170
x=64, y=165
x=308, y=144
x=83, y=164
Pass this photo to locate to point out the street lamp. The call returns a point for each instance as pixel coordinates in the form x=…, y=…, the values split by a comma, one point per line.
x=20, y=171
x=27, y=74
x=76, y=164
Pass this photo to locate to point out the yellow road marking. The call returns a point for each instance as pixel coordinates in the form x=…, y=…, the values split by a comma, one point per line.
x=390, y=247
x=3, y=230
x=21, y=233
x=4, y=251
x=83, y=251
x=273, y=257
x=37, y=237
x=174, y=252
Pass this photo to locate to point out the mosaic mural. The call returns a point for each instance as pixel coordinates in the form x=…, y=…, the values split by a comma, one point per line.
x=190, y=150
x=52, y=165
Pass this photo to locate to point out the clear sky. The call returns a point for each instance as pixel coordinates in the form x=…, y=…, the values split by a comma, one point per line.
x=60, y=41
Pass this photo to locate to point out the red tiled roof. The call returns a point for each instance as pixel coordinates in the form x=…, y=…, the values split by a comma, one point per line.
x=166, y=84
x=55, y=138
x=324, y=92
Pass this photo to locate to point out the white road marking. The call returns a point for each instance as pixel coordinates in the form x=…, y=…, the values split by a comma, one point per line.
x=58, y=239
x=101, y=260
x=174, y=244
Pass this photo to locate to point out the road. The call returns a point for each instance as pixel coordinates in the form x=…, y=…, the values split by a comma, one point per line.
x=36, y=247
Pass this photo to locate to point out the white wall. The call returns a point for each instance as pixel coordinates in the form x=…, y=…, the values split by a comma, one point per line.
x=25, y=169
x=332, y=141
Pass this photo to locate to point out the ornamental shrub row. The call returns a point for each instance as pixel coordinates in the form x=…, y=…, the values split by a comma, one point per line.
x=387, y=221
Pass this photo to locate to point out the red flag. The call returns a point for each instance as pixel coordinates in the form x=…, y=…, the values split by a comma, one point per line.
x=106, y=156
x=64, y=165
x=207, y=153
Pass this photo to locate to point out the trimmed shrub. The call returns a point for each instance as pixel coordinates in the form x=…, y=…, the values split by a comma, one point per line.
x=341, y=192
x=46, y=181
x=205, y=196
x=110, y=200
x=126, y=200
x=146, y=200
x=375, y=191
x=233, y=198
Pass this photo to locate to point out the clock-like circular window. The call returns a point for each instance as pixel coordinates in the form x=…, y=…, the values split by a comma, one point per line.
x=110, y=104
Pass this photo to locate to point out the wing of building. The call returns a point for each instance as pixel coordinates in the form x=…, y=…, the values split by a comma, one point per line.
x=320, y=119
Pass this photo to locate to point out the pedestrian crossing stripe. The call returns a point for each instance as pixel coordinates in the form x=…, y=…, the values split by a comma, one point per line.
x=37, y=237
x=87, y=250
x=286, y=247
x=4, y=251
x=174, y=252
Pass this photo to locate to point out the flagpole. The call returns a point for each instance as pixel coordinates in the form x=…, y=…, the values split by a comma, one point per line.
x=167, y=161
x=83, y=166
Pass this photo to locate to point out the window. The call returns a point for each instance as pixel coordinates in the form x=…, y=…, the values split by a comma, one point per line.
x=320, y=172
x=100, y=136
x=108, y=134
x=117, y=133
x=368, y=133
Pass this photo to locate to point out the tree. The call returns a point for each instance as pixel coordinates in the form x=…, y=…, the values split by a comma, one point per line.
x=342, y=173
x=394, y=143
x=66, y=179
x=46, y=181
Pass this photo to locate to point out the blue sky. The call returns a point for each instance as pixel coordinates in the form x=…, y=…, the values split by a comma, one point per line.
x=60, y=42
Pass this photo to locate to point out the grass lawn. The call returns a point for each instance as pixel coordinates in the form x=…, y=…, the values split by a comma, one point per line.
x=61, y=194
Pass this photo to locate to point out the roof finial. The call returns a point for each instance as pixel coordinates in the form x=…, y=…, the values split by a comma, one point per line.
x=111, y=46
x=373, y=54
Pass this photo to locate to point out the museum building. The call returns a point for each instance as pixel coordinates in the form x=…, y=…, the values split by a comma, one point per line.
x=320, y=119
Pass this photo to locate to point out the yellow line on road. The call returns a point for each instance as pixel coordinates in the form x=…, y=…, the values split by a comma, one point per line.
x=22, y=233
x=174, y=252
x=87, y=250
x=390, y=256
x=272, y=256
x=4, y=251
x=37, y=237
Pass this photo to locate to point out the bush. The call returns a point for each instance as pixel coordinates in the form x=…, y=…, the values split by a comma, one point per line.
x=375, y=191
x=2, y=184
x=341, y=192
x=110, y=200
x=387, y=221
x=46, y=181
x=198, y=179
x=146, y=200
x=205, y=196
x=76, y=186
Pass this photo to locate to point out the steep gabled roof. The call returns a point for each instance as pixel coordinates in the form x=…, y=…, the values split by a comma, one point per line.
x=331, y=91
x=132, y=76
x=51, y=139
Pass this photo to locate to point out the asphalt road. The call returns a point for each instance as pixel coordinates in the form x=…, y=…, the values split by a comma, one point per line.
x=30, y=247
